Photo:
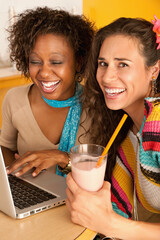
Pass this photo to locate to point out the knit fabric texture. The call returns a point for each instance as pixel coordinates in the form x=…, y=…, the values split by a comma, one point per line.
x=138, y=165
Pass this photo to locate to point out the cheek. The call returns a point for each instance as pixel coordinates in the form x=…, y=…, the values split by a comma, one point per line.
x=67, y=74
x=99, y=76
x=32, y=70
x=99, y=79
x=66, y=71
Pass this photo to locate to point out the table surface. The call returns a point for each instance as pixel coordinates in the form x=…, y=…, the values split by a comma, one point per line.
x=53, y=224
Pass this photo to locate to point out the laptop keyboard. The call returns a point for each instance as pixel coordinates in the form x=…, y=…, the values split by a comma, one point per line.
x=25, y=194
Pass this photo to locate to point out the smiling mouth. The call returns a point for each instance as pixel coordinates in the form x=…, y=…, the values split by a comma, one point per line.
x=49, y=86
x=114, y=91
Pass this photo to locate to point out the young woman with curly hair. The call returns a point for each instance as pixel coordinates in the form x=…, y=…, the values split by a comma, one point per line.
x=41, y=120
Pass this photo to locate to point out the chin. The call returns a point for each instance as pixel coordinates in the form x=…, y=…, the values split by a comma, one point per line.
x=113, y=106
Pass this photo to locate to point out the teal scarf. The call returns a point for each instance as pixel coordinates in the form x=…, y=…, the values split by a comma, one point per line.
x=72, y=121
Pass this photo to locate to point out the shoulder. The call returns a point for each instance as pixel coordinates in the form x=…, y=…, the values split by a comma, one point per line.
x=16, y=97
x=18, y=91
x=152, y=107
x=151, y=128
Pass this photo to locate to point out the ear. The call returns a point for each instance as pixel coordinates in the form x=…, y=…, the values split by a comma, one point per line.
x=155, y=70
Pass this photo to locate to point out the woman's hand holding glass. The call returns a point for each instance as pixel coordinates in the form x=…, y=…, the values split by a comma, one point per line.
x=90, y=209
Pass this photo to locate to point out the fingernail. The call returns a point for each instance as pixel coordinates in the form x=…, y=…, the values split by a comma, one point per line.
x=7, y=171
x=34, y=174
x=17, y=174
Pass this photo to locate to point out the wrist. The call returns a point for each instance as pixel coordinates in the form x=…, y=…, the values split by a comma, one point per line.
x=120, y=227
x=65, y=166
x=111, y=226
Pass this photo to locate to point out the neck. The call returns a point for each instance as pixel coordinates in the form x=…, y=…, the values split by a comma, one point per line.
x=134, y=129
x=136, y=113
x=66, y=103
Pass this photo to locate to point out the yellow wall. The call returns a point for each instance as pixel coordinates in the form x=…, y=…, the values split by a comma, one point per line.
x=8, y=82
x=103, y=12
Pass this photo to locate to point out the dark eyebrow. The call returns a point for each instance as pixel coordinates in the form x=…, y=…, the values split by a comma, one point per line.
x=100, y=58
x=122, y=59
x=118, y=59
x=52, y=54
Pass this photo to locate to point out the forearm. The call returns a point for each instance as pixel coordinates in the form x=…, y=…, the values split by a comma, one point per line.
x=8, y=155
x=126, y=229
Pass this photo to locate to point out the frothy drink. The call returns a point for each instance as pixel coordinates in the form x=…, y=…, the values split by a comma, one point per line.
x=86, y=175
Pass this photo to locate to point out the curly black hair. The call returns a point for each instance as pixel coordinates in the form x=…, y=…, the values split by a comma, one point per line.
x=30, y=24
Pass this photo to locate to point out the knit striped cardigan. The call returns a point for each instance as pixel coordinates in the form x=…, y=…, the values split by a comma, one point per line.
x=141, y=171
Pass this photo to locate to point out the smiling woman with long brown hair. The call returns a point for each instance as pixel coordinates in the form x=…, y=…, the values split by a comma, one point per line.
x=123, y=78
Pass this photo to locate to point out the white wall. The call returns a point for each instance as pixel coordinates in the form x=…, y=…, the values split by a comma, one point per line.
x=74, y=6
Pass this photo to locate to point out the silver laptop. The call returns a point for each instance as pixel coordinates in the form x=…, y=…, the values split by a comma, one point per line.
x=24, y=196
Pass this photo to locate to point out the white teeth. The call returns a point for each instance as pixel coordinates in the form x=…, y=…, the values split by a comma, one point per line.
x=49, y=84
x=111, y=91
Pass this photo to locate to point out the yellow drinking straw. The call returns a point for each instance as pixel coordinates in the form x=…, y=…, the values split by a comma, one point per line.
x=118, y=128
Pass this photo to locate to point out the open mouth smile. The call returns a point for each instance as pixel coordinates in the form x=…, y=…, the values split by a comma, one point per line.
x=114, y=91
x=49, y=86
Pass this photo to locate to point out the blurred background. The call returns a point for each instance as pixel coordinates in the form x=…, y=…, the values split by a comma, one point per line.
x=105, y=11
x=8, y=8
x=100, y=11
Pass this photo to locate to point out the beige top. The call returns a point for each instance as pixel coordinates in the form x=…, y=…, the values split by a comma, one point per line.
x=20, y=131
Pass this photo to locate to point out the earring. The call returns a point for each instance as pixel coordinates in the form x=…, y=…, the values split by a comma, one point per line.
x=78, y=77
x=154, y=88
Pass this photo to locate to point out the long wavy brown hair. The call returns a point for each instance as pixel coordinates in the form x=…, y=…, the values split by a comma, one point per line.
x=104, y=120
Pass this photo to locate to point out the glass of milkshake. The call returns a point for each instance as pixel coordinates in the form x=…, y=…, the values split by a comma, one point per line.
x=84, y=158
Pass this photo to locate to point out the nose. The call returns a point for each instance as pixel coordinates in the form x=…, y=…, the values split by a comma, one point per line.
x=45, y=70
x=110, y=74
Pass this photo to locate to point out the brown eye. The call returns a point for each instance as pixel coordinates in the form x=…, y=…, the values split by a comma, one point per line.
x=102, y=64
x=122, y=65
